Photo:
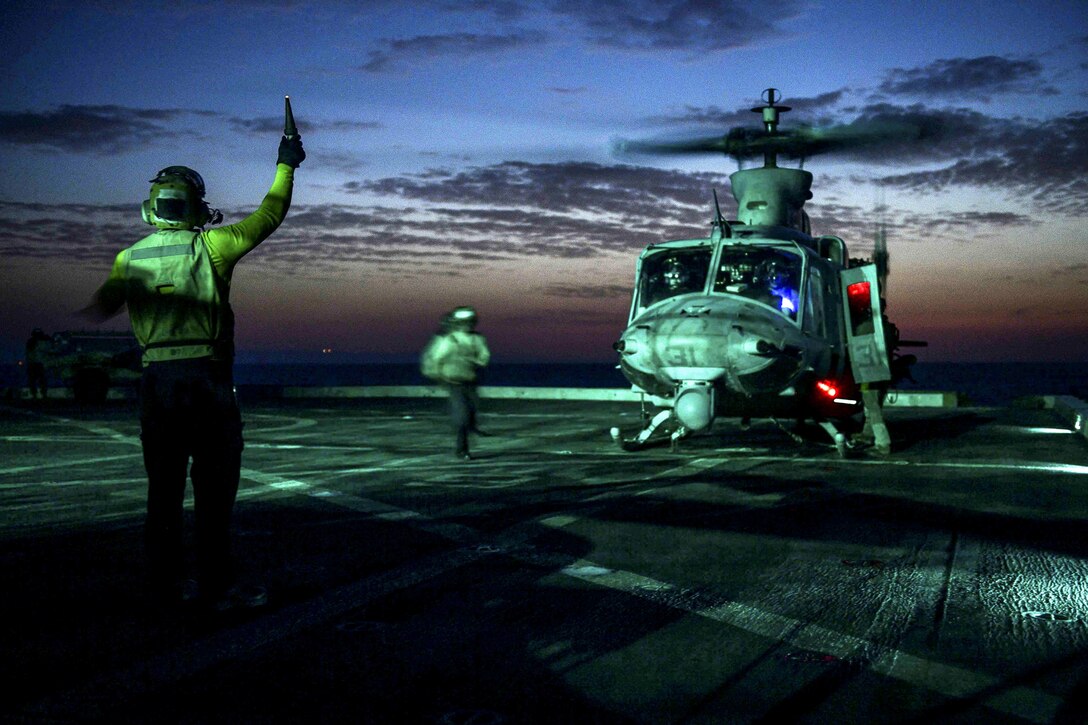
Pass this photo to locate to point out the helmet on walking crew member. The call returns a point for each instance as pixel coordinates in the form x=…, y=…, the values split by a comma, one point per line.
x=463, y=318
x=177, y=201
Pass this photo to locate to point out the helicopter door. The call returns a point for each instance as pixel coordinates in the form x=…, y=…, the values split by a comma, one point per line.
x=865, y=325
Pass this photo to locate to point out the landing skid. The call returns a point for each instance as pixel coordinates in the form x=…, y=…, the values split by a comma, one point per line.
x=655, y=433
x=842, y=445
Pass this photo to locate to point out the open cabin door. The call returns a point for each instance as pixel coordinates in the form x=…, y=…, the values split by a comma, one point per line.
x=865, y=325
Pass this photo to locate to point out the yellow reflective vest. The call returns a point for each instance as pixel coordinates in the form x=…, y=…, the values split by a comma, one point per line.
x=179, y=307
x=176, y=282
x=455, y=357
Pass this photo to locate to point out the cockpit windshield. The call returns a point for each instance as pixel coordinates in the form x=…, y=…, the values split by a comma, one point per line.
x=673, y=272
x=770, y=275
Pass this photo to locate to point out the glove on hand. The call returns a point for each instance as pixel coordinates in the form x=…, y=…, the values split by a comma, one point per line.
x=291, y=152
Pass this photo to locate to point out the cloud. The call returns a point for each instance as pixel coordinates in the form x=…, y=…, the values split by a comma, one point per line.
x=968, y=77
x=569, y=210
x=692, y=26
x=105, y=129
x=989, y=219
x=274, y=124
x=567, y=187
x=343, y=162
x=1045, y=162
x=111, y=129
x=589, y=291
x=1078, y=272
x=45, y=231
x=443, y=222
x=400, y=51
x=203, y=9
x=586, y=320
x=499, y=9
x=858, y=224
x=480, y=216
x=564, y=210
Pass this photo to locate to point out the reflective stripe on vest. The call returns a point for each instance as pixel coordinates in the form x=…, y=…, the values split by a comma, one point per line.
x=172, y=250
x=177, y=303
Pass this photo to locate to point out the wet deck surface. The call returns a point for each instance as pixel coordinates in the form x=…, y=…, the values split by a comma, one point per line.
x=556, y=578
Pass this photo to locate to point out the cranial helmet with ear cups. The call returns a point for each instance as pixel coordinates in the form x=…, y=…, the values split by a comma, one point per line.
x=177, y=200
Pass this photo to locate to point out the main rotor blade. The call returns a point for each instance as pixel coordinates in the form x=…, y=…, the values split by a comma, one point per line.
x=798, y=142
x=856, y=136
x=733, y=143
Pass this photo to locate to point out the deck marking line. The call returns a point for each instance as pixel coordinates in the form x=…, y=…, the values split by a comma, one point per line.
x=998, y=465
x=949, y=680
x=63, y=464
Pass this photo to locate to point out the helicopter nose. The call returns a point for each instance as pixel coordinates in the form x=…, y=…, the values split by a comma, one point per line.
x=632, y=342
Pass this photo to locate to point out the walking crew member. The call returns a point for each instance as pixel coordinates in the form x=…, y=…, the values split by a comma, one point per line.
x=36, y=378
x=176, y=284
x=453, y=358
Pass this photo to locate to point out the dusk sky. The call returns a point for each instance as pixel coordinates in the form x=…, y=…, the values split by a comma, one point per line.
x=462, y=153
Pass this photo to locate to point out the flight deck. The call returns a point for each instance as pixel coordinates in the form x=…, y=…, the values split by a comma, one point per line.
x=555, y=578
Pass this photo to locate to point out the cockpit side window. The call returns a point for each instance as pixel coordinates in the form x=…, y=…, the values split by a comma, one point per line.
x=814, y=303
x=764, y=274
x=673, y=272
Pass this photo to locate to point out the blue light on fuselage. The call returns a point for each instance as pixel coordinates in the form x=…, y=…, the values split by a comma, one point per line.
x=787, y=299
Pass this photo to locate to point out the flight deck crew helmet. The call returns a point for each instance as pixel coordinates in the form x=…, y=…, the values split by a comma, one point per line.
x=177, y=200
x=462, y=317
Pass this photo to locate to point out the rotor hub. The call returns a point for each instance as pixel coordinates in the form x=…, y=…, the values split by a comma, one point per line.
x=771, y=109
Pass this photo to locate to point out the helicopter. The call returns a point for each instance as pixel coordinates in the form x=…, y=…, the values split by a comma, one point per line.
x=763, y=318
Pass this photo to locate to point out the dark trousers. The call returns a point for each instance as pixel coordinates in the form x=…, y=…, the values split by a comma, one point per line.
x=36, y=379
x=463, y=412
x=188, y=412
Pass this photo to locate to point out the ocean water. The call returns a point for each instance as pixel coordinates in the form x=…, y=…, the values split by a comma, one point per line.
x=1002, y=383
x=978, y=383
x=551, y=375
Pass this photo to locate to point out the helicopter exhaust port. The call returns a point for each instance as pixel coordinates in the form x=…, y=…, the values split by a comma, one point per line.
x=694, y=406
x=759, y=347
x=633, y=341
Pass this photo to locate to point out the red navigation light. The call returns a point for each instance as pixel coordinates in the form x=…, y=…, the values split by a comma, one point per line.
x=858, y=295
x=828, y=386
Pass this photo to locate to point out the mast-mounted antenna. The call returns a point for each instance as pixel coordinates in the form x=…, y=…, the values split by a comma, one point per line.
x=770, y=112
x=720, y=225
